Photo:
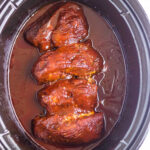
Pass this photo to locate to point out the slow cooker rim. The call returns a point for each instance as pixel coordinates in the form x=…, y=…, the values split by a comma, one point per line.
x=144, y=25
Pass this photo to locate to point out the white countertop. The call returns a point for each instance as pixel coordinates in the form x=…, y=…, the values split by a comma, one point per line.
x=146, y=6
x=146, y=143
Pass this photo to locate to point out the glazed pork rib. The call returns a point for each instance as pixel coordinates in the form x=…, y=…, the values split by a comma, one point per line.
x=71, y=27
x=74, y=60
x=39, y=33
x=78, y=95
x=69, y=130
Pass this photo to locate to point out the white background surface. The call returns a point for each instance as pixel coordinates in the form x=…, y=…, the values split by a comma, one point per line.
x=146, y=6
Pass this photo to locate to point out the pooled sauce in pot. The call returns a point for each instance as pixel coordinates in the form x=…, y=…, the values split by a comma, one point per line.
x=111, y=82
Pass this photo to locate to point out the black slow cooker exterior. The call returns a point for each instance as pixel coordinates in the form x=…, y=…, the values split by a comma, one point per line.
x=133, y=30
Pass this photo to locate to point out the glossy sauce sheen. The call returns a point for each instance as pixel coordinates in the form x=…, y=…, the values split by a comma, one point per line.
x=111, y=83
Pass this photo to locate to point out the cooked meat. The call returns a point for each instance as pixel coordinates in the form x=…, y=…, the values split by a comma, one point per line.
x=69, y=94
x=72, y=26
x=71, y=129
x=70, y=103
x=39, y=33
x=74, y=60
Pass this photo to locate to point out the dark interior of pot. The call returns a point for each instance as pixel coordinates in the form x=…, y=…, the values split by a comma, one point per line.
x=119, y=17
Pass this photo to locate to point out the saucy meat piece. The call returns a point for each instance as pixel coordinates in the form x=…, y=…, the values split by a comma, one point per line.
x=74, y=60
x=72, y=94
x=72, y=129
x=39, y=33
x=72, y=26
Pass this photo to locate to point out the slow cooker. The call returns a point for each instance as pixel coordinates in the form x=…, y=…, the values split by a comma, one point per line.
x=132, y=27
